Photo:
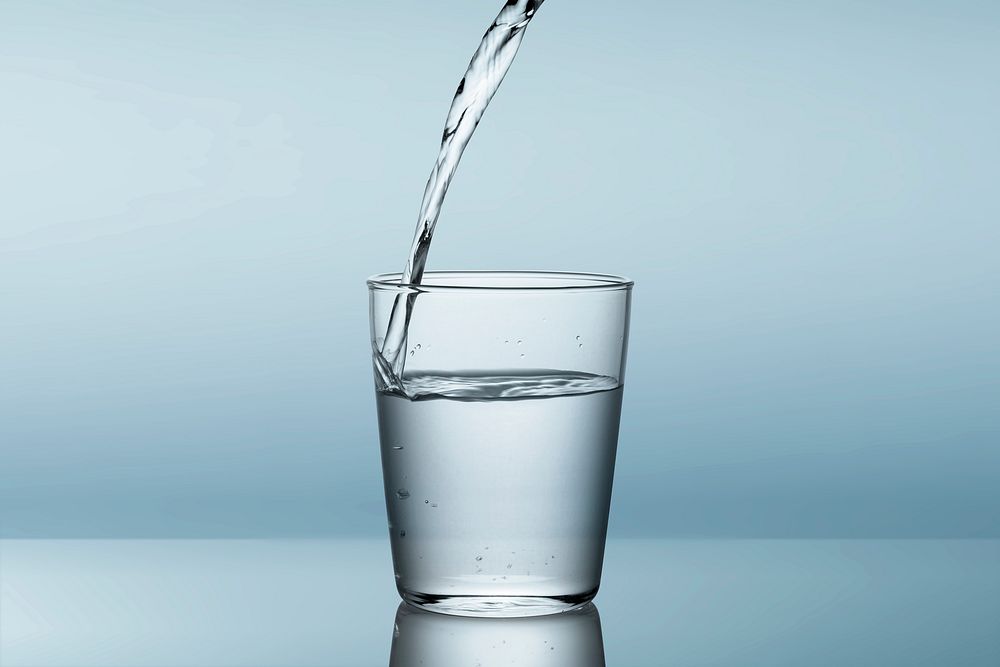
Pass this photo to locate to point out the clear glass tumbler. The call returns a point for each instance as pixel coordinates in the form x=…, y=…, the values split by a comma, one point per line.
x=498, y=445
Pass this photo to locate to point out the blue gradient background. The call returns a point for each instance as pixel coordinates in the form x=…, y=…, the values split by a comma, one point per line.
x=191, y=195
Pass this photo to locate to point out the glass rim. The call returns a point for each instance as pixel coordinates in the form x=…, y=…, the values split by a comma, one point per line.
x=466, y=281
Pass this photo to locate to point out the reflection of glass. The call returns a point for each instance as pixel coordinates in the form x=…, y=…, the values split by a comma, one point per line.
x=570, y=639
x=498, y=449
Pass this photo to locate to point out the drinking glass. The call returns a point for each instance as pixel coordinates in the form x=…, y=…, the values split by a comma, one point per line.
x=498, y=440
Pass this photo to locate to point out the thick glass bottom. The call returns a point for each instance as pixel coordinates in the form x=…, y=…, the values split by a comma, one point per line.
x=497, y=606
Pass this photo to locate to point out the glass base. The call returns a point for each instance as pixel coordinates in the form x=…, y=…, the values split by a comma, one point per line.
x=497, y=606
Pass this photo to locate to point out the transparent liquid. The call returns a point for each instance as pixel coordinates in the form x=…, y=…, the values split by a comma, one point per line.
x=498, y=488
x=482, y=78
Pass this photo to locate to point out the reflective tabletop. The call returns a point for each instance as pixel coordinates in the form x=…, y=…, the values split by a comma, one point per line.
x=662, y=602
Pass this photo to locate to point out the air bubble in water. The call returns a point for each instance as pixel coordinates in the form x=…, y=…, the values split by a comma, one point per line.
x=518, y=341
x=479, y=557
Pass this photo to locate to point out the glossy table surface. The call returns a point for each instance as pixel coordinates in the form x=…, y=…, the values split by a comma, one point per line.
x=663, y=602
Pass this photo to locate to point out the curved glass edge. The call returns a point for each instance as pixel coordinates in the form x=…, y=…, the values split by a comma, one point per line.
x=465, y=281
